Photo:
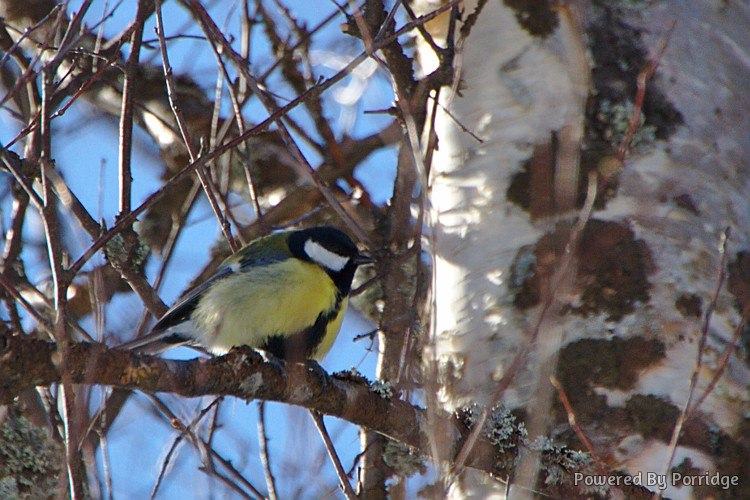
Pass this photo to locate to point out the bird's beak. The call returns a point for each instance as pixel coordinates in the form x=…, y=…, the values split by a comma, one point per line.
x=362, y=259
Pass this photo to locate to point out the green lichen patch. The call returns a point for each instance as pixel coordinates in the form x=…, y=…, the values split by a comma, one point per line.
x=30, y=461
x=619, y=55
x=559, y=463
x=502, y=428
x=126, y=250
x=404, y=460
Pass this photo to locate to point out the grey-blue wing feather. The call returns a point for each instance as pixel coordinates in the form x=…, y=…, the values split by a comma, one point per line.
x=182, y=310
x=260, y=252
x=161, y=337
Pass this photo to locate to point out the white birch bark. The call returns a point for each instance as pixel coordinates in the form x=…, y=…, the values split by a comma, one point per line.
x=675, y=195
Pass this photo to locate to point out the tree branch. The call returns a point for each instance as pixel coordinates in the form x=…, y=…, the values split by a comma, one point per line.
x=27, y=362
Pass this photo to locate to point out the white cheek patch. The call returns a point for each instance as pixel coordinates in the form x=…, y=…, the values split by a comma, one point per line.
x=330, y=260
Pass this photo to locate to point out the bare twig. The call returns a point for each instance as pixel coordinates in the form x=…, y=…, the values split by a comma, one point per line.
x=344, y=481
x=27, y=32
x=107, y=465
x=41, y=320
x=11, y=252
x=172, y=94
x=572, y=417
x=126, y=114
x=236, y=107
x=205, y=451
x=264, y=457
x=61, y=281
x=721, y=276
x=212, y=31
x=721, y=367
x=643, y=77
x=562, y=268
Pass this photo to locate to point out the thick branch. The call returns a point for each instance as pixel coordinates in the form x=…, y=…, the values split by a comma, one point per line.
x=27, y=362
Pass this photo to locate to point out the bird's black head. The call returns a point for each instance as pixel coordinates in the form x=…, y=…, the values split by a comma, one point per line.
x=332, y=250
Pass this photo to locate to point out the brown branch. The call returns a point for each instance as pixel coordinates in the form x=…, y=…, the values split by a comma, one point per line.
x=572, y=417
x=343, y=480
x=301, y=164
x=27, y=362
x=61, y=281
x=264, y=456
x=677, y=430
x=126, y=114
x=208, y=187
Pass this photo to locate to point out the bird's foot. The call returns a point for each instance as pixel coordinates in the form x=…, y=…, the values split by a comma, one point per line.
x=313, y=366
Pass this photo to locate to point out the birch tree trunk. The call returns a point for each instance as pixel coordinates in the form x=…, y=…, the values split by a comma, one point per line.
x=549, y=92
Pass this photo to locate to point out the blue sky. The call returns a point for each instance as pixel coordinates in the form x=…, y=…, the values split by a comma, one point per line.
x=85, y=147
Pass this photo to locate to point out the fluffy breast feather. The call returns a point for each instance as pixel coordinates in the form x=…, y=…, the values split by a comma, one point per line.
x=276, y=299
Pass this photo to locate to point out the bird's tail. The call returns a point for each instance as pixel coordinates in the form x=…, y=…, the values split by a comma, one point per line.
x=156, y=342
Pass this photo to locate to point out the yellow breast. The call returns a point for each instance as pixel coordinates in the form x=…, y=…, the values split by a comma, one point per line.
x=278, y=299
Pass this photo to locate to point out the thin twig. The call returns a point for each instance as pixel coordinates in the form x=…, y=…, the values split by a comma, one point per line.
x=107, y=465
x=61, y=281
x=572, y=417
x=212, y=31
x=202, y=447
x=531, y=335
x=264, y=457
x=11, y=164
x=253, y=190
x=126, y=114
x=174, y=233
x=304, y=167
x=722, y=366
x=41, y=320
x=722, y=274
x=33, y=124
x=231, y=144
x=177, y=111
x=343, y=480
x=643, y=77
x=165, y=463
x=29, y=74
x=239, y=477
x=12, y=250
x=28, y=31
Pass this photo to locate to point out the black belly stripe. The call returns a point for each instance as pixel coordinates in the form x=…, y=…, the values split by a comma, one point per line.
x=301, y=345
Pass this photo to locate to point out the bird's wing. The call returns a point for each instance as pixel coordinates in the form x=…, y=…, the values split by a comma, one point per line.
x=250, y=256
x=262, y=251
x=161, y=338
x=184, y=306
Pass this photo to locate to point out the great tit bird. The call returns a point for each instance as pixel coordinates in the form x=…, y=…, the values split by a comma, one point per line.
x=285, y=293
